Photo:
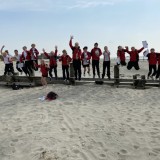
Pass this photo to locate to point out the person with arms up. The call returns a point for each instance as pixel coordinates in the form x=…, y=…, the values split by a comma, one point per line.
x=76, y=56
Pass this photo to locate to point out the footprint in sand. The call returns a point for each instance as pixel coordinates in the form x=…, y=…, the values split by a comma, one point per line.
x=123, y=151
x=102, y=155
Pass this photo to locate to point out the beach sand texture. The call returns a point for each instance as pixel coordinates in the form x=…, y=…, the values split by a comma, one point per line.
x=86, y=122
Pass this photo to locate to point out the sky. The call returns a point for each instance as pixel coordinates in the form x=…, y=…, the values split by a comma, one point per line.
x=51, y=22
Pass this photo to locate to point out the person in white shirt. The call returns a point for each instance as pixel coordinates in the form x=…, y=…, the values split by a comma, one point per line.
x=7, y=61
x=106, y=62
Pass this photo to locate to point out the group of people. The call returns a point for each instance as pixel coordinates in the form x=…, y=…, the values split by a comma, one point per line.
x=28, y=61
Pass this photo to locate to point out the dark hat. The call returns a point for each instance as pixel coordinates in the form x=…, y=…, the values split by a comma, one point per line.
x=85, y=47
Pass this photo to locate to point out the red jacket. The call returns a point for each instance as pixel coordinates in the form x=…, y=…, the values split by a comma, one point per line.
x=96, y=53
x=26, y=56
x=76, y=51
x=152, y=58
x=52, y=59
x=88, y=56
x=44, y=69
x=121, y=54
x=134, y=54
x=65, y=60
x=34, y=53
x=158, y=58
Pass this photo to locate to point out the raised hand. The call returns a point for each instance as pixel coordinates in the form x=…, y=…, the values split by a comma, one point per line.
x=43, y=50
x=56, y=47
x=72, y=37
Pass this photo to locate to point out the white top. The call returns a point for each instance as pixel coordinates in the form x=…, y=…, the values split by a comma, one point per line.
x=6, y=59
x=25, y=54
x=85, y=61
x=18, y=57
x=106, y=56
x=33, y=54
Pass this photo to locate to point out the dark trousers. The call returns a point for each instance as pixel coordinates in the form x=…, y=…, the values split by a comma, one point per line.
x=95, y=65
x=8, y=68
x=106, y=64
x=65, y=70
x=152, y=67
x=123, y=63
x=133, y=64
x=21, y=69
x=28, y=67
x=158, y=72
x=77, y=68
x=55, y=71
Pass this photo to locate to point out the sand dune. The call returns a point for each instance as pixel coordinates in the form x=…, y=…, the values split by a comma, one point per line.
x=88, y=122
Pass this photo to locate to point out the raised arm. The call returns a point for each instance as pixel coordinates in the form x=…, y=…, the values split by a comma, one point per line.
x=70, y=42
x=56, y=50
x=46, y=54
x=140, y=50
x=2, y=49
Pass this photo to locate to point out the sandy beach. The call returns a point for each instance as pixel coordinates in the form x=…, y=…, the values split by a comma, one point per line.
x=86, y=122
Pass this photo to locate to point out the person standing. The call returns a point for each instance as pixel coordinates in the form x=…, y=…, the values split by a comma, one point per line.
x=65, y=59
x=106, y=62
x=76, y=56
x=86, y=56
x=95, y=54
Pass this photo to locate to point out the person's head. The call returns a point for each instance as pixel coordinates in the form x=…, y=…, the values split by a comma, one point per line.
x=52, y=53
x=25, y=48
x=119, y=48
x=64, y=52
x=106, y=48
x=76, y=45
x=16, y=52
x=152, y=50
x=42, y=62
x=133, y=49
x=6, y=51
x=33, y=45
x=4, y=54
x=85, y=49
x=96, y=45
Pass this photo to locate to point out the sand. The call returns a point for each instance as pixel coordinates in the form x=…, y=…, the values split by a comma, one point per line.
x=86, y=122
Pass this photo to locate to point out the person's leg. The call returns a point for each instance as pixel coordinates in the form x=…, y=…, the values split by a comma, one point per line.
x=6, y=69
x=79, y=69
x=130, y=65
x=154, y=70
x=50, y=71
x=11, y=68
x=104, y=70
x=44, y=81
x=55, y=71
x=25, y=68
x=84, y=73
x=88, y=69
x=67, y=72
x=18, y=69
x=150, y=70
x=93, y=67
x=158, y=72
x=97, y=67
x=30, y=66
x=108, y=69
x=136, y=65
x=63, y=72
x=75, y=68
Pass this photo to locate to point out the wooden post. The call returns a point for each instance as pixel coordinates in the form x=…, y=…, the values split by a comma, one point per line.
x=72, y=74
x=143, y=79
x=135, y=81
x=116, y=75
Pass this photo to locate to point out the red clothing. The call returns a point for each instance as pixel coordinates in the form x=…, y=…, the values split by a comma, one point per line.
x=52, y=59
x=88, y=56
x=44, y=69
x=65, y=60
x=76, y=51
x=121, y=54
x=152, y=58
x=96, y=53
x=134, y=54
x=34, y=53
x=26, y=56
x=158, y=58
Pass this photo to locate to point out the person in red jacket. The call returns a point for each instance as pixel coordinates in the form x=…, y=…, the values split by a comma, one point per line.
x=95, y=54
x=158, y=70
x=26, y=58
x=86, y=56
x=65, y=59
x=152, y=60
x=134, y=58
x=52, y=62
x=44, y=70
x=34, y=56
x=76, y=56
x=121, y=54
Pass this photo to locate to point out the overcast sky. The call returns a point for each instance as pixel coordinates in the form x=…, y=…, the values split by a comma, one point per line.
x=51, y=22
